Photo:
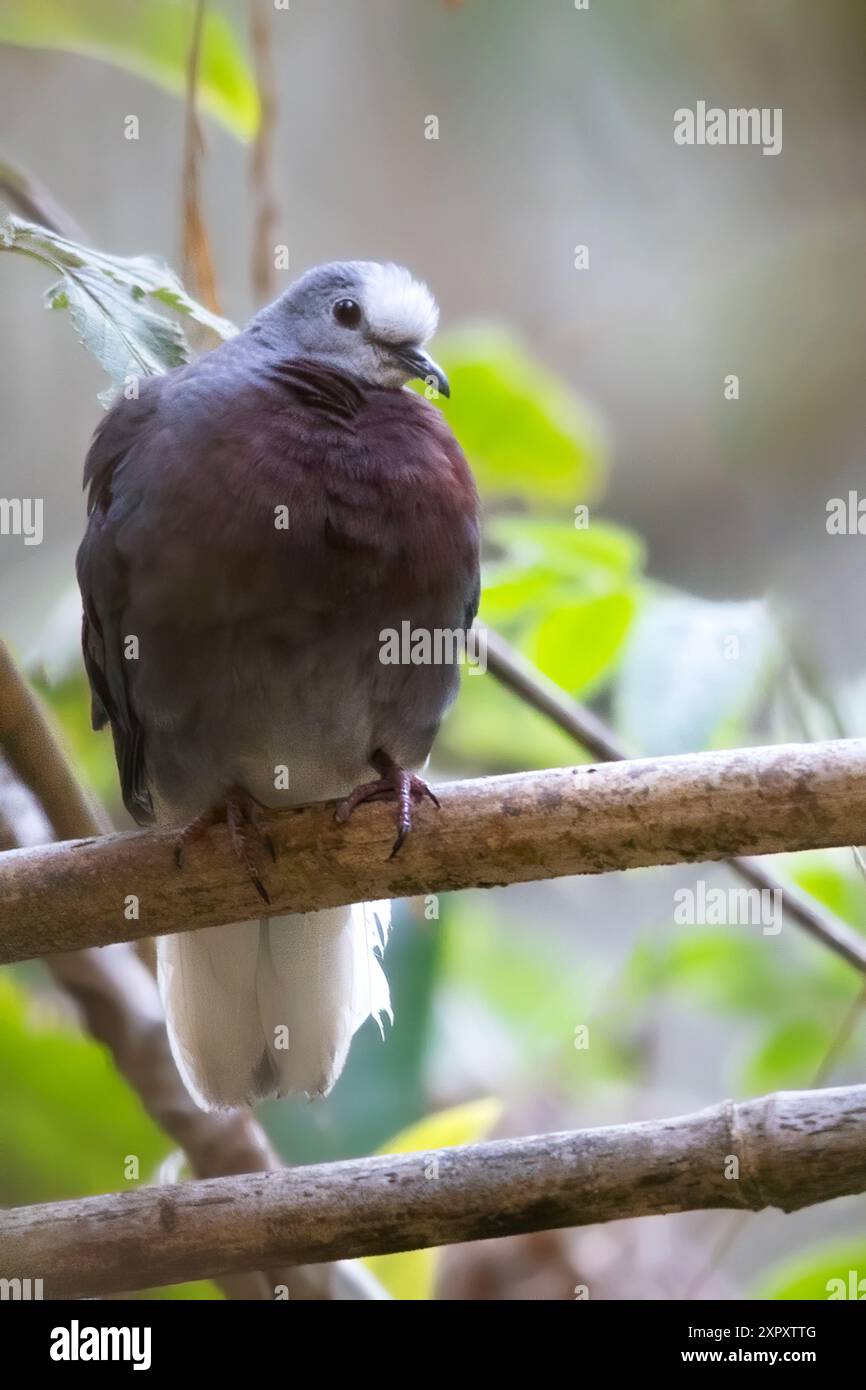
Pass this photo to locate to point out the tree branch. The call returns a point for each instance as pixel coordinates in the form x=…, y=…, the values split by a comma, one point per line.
x=523, y=679
x=787, y=1150
x=34, y=754
x=197, y=261
x=497, y=830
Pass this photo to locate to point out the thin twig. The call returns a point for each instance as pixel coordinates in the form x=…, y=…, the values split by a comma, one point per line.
x=198, y=269
x=517, y=674
x=25, y=192
x=266, y=210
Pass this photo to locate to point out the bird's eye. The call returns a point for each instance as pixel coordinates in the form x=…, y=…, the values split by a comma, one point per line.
x=347, y=312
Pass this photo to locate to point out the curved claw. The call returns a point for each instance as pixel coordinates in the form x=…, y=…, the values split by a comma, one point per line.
x=243, y=815
x=404, y=787
x=260, y=889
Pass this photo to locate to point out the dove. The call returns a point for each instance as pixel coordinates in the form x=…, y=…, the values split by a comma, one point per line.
x=257, y=519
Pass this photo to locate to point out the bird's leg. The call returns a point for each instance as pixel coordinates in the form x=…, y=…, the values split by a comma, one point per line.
x=244, y=817
x=393, y=781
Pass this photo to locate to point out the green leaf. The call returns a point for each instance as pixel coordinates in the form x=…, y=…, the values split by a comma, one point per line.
x=411, y=1275
x=789, y=1056
x=526, y=434
x=827, y=1272
x=692, y=673
x=567, y=595
x=150, y=40
x=446, y=1129
x=577, y=643
x=106, y=297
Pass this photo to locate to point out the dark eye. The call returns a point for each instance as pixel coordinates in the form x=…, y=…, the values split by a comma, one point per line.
x=347, y=312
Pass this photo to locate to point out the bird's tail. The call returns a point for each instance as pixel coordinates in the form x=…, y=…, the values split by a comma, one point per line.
x=269, y=1008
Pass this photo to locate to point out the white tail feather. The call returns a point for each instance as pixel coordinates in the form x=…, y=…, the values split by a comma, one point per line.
x=270, y=1007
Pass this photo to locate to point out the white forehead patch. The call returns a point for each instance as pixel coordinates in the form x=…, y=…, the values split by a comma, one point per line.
x=399, y=308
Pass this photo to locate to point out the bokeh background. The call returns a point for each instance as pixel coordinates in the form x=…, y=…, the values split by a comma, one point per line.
x=705, y=604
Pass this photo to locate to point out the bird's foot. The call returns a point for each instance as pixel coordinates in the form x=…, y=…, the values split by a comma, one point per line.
x=245, y=819
x=404, y=787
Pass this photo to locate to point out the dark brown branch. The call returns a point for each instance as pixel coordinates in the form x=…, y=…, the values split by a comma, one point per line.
x=531, y=685
x=787, y=1150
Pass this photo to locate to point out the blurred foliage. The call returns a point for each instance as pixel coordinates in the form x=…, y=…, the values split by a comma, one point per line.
x=694, y=672
x=529, y=437
x=70, y=1123
x=411, y=1275
x=69, y=1120
x=837, y=1270
x=527, y=994
x=794, y=1000
x=149, y=40
x=489, y=730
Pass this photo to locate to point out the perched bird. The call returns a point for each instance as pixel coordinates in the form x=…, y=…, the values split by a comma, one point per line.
x=255, y=521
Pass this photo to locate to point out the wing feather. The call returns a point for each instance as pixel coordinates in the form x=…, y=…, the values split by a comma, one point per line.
x=102, y=579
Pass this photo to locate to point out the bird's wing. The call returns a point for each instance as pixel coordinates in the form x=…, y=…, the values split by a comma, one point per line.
x=101, y=574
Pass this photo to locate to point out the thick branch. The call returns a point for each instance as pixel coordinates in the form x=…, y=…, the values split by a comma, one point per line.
x=787, y=1150
x=498, y=830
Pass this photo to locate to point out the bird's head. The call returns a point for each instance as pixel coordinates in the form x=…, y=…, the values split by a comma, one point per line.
x=369, y=320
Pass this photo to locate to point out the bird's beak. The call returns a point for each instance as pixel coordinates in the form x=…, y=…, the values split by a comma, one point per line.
x=420, y=364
